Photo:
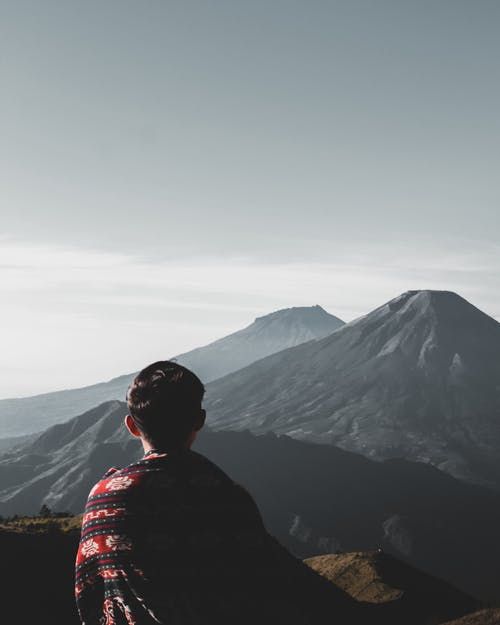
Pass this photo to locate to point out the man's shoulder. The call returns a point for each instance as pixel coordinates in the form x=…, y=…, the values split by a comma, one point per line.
x=202, y=464
x=211, y=474
x=118, y=480
x=191, y=468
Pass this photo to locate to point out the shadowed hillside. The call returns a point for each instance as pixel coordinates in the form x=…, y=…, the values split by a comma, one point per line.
x=37, y=574
x=314, y=498
x=399, y=594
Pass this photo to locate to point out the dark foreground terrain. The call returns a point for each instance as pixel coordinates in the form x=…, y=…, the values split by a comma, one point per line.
x=314, y=498
x=37, y=580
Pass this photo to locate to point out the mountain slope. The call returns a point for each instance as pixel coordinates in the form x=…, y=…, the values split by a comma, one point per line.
x=314, y=498
x=266, y=335
x=378, y=578
x=417, y=378
x=483, y=617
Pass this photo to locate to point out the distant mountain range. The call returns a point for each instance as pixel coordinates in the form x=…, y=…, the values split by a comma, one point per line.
x=314, y=498
x=417, y=378
x=266, y=335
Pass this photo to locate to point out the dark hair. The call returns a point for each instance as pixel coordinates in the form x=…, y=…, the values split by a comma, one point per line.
x=164, y=400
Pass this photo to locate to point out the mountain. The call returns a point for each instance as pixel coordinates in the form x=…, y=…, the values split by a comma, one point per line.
x=314, y=498
x=8, y=443
x=417, y=378
x=266, y=335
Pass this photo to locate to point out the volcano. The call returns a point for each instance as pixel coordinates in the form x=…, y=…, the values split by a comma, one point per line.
x=266, y=335
x=417, y=378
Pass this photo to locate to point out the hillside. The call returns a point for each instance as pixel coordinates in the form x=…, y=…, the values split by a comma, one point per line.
x=378, y=578
x=44, y=596
x=266, y=335
x=314, y=498
x=417, y=378
x=482, y=617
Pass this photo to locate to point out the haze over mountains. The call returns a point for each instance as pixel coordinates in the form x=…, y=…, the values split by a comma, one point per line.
x=314, y=498
x=266, y=335
x=417, y=378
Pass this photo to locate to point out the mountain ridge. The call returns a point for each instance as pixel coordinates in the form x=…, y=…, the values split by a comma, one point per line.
x=266, y=334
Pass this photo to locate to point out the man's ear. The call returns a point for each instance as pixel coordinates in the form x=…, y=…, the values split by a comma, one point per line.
x=131, y=426
x=200, y=421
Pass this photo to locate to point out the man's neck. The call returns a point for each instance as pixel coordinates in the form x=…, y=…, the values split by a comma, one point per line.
x=147, y=446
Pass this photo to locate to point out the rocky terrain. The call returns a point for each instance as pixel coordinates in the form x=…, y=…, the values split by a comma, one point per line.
x=481, y=617
x=266, y=335
x=314, y=498
x=418, y=378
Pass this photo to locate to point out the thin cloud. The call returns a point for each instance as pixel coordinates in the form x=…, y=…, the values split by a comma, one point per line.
x=75, y=316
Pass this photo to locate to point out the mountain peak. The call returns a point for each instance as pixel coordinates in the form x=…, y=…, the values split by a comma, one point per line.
x=447, y=306
x=267, y=335
x=425, y=297
x=293, y=326
x=300, y=313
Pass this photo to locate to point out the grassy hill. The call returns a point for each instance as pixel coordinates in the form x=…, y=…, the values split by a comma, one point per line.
x=41, y=525
x=378, y=578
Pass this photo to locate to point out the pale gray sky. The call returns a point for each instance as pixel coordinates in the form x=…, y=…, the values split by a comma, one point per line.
x=169, y=170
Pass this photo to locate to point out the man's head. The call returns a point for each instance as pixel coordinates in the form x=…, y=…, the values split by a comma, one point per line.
x=164, y=402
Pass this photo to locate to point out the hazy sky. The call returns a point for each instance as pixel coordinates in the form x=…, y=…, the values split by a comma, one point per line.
x=170, y=170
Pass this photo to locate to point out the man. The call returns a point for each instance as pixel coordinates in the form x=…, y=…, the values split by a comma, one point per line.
x=172, y=539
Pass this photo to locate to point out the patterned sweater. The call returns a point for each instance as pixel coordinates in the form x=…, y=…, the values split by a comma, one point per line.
x=171, y=539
